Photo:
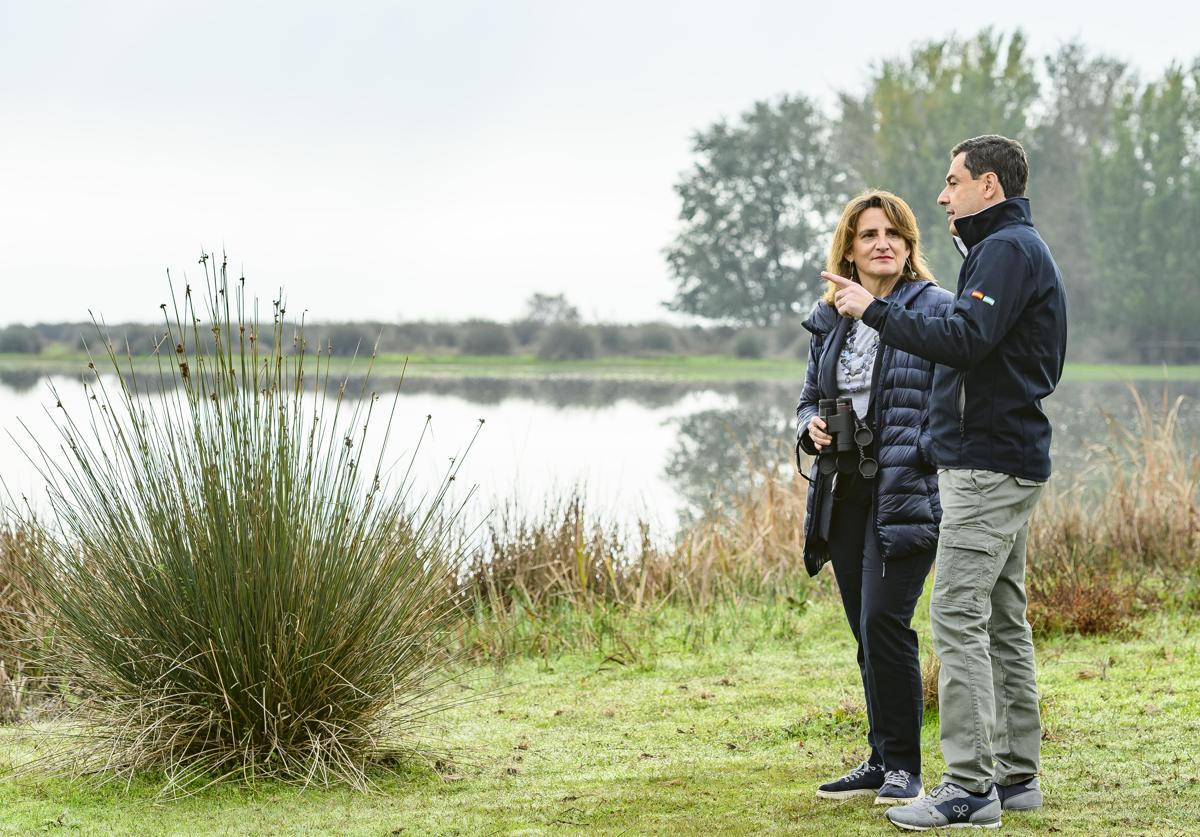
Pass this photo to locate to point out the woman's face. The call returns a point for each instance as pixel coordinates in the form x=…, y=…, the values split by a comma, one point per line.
x=878, y=251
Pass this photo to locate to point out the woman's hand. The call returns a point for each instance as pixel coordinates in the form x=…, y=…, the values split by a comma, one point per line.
x=816, y=432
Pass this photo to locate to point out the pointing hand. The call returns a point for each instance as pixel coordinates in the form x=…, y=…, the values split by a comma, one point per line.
x=851, y=298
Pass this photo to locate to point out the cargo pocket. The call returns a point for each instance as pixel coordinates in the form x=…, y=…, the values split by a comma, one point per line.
x=968, y=560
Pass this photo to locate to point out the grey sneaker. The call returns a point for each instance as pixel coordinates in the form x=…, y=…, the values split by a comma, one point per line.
x=1021, y=796
x=949, y=805
x=899, y=786
x=864, y=780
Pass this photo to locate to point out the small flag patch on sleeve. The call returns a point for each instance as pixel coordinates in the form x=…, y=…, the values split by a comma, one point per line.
x=982, y=297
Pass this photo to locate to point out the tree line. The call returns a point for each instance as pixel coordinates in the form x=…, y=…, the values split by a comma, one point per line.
x=1114, y=186
x=550, y=328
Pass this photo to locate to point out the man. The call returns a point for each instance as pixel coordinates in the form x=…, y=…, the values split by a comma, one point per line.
x=999, y=353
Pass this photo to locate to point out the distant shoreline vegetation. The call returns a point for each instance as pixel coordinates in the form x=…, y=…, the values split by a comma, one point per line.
x=698, y=368
x=549, y=340
x=559, y=335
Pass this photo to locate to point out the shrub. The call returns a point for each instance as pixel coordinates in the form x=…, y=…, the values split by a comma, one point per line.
x=410, y=337
x=444, y=336
x=1080, y=596
x=484, y=338
x=656, y=338
x=234, y=589
x=567, y=341
x=787, y=334
x=748, y=345
x=526, y=331
x=20, y=339
x=612, y=339
x=349, y=339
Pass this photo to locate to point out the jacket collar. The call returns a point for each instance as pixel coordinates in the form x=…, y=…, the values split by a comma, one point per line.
x=825, y=320
x=906, y=292
x=821, y=319
x=973, y=229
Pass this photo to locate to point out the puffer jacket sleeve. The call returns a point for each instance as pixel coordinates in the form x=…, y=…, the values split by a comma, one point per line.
x=810, y=394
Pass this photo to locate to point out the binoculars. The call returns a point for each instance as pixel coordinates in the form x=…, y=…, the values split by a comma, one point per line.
x=847, y=453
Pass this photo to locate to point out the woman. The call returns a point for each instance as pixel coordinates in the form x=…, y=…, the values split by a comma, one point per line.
x=878, y=530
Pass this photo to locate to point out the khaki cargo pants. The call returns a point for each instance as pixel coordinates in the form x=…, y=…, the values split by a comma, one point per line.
x=990, y=727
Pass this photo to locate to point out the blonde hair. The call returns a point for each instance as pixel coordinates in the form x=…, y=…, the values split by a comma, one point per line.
x=899, y=215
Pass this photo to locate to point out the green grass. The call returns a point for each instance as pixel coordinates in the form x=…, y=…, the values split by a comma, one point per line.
x=719, y=727
x=700, y=368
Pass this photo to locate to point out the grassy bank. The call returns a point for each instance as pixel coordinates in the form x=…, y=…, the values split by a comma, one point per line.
x=625, y=685
x=726, y=736
x=699, y=368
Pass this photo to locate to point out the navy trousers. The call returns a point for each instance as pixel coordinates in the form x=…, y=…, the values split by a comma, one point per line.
x=879, y=602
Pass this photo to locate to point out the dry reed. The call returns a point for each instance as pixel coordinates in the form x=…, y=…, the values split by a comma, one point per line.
x=753, y=549
x=21, y=686
x=1124, y=533
x=1121, y=534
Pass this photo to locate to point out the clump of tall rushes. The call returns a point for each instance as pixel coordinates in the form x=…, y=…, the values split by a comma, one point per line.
x=235, y=590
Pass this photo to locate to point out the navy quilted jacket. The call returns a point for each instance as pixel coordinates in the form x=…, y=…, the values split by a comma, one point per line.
x=907, y=510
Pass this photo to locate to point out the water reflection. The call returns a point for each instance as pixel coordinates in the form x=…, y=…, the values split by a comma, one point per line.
x=658, y=449
x=553, y=391
x=556, y=392
x=719, y=452
x=20, y=380
x=1081, y=413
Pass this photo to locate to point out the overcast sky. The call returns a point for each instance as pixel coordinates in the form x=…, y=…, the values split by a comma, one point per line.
x=418, y=160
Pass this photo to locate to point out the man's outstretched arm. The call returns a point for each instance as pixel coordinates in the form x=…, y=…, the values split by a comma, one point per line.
x=993, y=298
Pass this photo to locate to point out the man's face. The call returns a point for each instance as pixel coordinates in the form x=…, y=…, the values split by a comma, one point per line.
x=964, y=195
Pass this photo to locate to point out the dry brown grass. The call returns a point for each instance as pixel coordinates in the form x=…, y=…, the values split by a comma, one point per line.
x=566, y=557
x=20, y=631
x=1124, y=533
x=756, y=549
x=566, y=579
x=930, y=669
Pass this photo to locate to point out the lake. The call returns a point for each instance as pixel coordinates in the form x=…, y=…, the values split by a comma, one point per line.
x=638, y=450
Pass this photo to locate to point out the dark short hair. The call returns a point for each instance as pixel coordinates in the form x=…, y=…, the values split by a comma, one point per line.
x=992, y=152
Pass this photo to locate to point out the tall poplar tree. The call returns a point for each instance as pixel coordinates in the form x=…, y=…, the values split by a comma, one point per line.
x=898, y=135
x=1075, y=120
x=1145, y=188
